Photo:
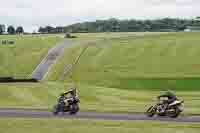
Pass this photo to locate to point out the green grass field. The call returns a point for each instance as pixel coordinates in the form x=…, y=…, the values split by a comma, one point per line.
x=120, y=72
x=148, y=61
x=44, y=96
x=22, y=125
x=22, y=58
x=124, y=72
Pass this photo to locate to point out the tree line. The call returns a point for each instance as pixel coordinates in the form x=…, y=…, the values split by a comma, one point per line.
x=11, y=29
x=132, y=25
x=114, y=25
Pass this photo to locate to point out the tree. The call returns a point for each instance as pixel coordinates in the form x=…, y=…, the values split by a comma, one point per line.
x=50, y=29
x=11, y=30
x=59, y=29
x=131, y=25
x=20, y=30
x=2, y=29
x=47, y=29
x=41, y=30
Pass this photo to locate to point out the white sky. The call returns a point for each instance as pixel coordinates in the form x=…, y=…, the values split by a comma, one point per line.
x=33, y=13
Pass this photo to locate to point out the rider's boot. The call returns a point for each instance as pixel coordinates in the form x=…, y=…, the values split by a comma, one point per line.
x=164, y=107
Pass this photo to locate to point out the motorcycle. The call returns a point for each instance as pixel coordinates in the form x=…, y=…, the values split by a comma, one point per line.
x=71, y=105
x=171, y=110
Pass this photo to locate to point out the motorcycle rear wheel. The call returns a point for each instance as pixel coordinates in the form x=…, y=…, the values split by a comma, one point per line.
x=55, y=110
x=74, y=109
x=173, y=114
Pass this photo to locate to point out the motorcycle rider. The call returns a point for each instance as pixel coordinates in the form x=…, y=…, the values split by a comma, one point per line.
x=171, y=97
x=71, y=93
x=61, y=100
x=67, y=95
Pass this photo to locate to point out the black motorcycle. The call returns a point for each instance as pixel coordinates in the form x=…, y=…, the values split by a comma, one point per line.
x=70, y=105
x=172, y=110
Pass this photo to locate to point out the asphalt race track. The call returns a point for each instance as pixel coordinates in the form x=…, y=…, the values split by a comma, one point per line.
x=92, y=115
x=50, y=58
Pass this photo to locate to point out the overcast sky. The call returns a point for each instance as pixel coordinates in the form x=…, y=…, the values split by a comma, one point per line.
x=33, y=13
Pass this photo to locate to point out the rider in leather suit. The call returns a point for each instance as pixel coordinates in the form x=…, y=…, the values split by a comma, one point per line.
x=69, y=94
x=170, y=96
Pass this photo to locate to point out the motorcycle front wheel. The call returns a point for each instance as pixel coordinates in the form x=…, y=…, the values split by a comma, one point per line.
x=55, y=110
x=151, y=111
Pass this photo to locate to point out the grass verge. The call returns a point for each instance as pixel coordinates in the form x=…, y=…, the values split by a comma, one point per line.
x=101, y=99
x=22, y=125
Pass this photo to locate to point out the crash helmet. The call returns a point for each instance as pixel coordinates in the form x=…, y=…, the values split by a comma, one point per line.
x=167, y=92
x=73, y=91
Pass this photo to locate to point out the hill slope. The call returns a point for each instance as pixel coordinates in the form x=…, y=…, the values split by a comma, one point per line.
x=124, y=62
x=21, y=59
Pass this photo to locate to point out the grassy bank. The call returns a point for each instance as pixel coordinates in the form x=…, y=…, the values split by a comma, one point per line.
x=93, y=98
x=20, y=59
x=21, y=125
x=122, y=72
x=129, y=61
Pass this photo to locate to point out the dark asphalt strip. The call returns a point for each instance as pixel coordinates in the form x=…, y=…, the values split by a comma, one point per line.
x=93, y=115
x=50, y=58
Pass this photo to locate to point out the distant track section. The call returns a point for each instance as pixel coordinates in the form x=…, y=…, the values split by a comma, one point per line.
x=50, y=59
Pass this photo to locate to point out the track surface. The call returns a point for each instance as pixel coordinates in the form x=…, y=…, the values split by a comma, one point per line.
x=92, y=115
x=51, y=57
